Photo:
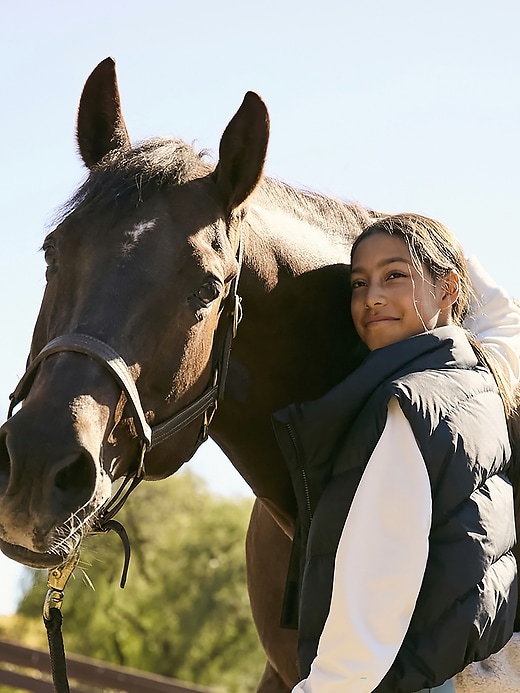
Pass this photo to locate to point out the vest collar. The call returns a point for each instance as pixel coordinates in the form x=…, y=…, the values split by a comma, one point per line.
x=319, y=424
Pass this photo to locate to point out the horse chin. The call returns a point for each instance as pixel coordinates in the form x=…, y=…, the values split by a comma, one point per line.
x=34, y=559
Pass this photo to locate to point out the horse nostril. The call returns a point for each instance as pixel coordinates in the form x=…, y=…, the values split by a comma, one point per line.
x=75, y=483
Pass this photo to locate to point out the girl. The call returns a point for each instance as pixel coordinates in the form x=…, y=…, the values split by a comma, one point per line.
x=405, y=512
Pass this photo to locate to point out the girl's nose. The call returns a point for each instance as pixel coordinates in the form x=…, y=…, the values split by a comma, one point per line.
x=374, y=297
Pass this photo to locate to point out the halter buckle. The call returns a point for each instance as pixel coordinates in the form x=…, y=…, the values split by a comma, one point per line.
x=237, y=314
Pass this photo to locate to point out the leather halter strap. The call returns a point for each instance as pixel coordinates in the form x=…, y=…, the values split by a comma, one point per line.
x=103, y=354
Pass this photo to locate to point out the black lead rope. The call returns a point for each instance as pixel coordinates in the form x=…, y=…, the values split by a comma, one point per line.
x=57, y=650
x=52, y=617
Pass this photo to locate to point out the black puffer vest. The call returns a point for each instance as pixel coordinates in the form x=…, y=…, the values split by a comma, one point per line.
x=467, y=603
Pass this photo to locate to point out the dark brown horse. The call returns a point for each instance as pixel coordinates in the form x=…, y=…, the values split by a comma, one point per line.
x=141, y=274
x=142, y=260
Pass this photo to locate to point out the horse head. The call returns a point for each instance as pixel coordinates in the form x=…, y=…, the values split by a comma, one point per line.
x=139, y=271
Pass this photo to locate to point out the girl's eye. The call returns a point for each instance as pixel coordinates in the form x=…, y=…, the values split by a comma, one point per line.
x=396, y=274
x=357, y=283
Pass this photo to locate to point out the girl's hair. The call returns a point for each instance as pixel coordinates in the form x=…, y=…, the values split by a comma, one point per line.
x=434, y=247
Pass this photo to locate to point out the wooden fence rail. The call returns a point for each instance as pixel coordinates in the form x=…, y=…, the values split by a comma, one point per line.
x=84, y=674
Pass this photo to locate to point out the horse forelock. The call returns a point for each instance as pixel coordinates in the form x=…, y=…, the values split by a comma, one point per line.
x=127, y=176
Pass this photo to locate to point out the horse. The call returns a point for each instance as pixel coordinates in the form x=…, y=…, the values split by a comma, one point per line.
x=183, y=299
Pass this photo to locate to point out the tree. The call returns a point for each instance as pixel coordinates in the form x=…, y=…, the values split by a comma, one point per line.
x=185, y=610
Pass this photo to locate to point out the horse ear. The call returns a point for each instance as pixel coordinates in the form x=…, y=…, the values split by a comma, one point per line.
x=242, y=152
x=101, y=127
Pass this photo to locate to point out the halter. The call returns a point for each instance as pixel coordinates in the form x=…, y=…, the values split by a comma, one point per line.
x=149, y=436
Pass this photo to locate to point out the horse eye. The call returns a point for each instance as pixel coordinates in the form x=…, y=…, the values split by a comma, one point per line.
x=208, y=292
x=49, y=253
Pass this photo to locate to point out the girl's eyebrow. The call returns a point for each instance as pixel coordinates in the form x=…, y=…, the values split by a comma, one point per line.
x=383, y=263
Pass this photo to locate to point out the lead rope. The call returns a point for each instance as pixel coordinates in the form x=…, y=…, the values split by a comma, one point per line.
x=52, y=617
x=58, y=577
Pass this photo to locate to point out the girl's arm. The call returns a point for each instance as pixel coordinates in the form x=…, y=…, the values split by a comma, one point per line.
x=494, y=319
x=379, y=567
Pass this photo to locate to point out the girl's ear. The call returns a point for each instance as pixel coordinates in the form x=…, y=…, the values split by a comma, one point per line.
x=450, y=285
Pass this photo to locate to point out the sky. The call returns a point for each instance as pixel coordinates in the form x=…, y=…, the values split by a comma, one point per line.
x=409, y=105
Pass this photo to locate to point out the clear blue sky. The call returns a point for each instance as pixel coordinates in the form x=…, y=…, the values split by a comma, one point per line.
x=409, y=105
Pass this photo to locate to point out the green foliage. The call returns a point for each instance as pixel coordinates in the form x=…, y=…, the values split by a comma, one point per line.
x=185, y=611
x=24, y=631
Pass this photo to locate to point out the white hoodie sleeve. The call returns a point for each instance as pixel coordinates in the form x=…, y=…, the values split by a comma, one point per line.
x=379, y=567
x=494, y=319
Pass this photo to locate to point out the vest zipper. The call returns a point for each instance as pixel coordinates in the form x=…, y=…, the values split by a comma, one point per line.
x=302, y=471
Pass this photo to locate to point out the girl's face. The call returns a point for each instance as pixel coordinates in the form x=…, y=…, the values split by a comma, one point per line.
x=391, y=300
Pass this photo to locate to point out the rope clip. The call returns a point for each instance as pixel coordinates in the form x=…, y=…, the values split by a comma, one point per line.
x=56, y=581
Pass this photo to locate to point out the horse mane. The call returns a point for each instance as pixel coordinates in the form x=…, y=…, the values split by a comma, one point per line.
x=335, y=217
x=127, y=176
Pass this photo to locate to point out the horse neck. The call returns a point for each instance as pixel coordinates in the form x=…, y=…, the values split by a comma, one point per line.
x=296, y=338
x=296, y=290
